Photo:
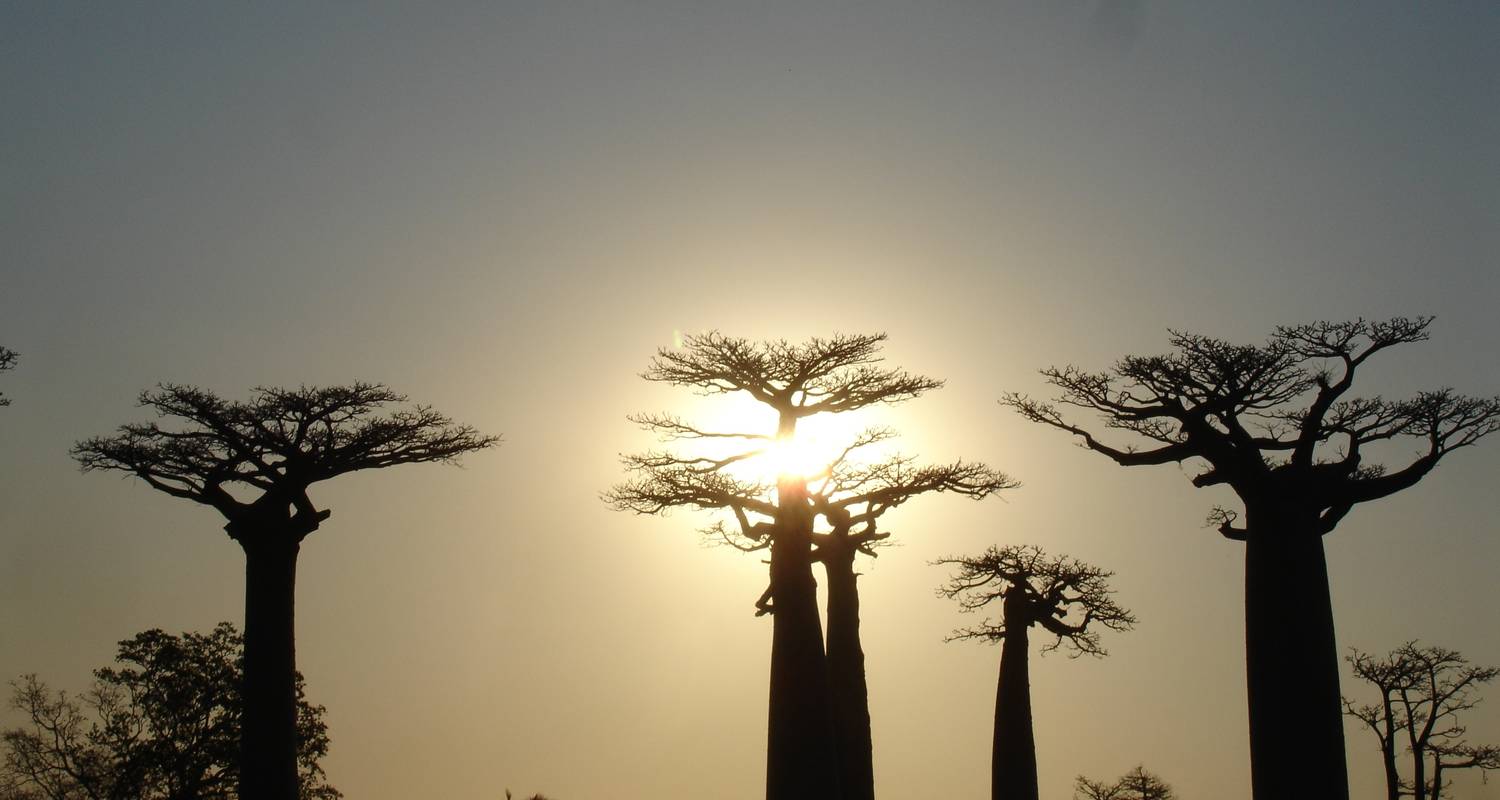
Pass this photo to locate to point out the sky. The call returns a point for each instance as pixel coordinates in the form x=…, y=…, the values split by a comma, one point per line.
x=503, y=210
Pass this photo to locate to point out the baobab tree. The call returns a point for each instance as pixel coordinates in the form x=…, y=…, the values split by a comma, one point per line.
x=8, y=359
x=1137, y=784
x=851, y=495
x=1066, y=598
x=1422, y=691
x=1276, y=424
x=794, y=382
x=253, y=462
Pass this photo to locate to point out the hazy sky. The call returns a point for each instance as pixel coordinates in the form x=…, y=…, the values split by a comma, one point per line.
x=503, y=210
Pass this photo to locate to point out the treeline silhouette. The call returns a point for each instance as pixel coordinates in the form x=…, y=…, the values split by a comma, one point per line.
x=1274, y=422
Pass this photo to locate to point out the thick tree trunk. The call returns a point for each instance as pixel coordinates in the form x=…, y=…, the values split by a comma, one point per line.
x=1388, y=752
x=846, y=673
x=801, y=761
x=268, y=736
x=1292, y=665
x=1013, y=763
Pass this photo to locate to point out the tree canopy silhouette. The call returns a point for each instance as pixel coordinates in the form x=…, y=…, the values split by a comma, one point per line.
x=1422, y=690
x=1067, y=598
x=1137, y=784
x=163, y=726
x=818, y=732
x=8, y=360
x=1276, y=424
x=253, y=461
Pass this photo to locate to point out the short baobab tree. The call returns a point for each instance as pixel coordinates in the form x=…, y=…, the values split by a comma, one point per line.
x=1422, y=691
x=1275, y=423
x=1137, y=784
x=253, y=462
x=8, y=360
x=1069, y=600
x=778, y=512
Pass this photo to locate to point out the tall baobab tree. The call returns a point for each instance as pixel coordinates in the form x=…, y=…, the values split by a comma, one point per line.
x=1276, y=424
x=794, y=381
x=253, y=462
x=1422, y=692
x=852, y=495
x=8, y=359
x=1066, y=598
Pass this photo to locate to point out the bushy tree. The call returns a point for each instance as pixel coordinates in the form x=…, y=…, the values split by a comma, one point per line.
x=162, y=725
x=253, y=462
x=1276, y=423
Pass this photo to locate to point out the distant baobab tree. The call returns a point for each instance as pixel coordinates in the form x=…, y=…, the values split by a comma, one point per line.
x=1422, y=691
x=1137, y=784
x=1066, y=598
x=1274, y=423
x=253, y=462
x=808, y=724
x=8, y=359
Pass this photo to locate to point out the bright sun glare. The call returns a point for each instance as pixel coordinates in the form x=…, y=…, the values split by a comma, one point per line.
x=818, y=441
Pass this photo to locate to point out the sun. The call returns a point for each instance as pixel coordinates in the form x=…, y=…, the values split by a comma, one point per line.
x=818, y=441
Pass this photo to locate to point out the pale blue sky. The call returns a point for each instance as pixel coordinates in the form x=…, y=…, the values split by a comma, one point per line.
x=504, y=209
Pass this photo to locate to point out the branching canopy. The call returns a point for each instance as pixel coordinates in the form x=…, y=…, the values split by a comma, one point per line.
x=1275, y=418
x=1137, y=784
x=823, y=375
x=1066, y=597
x=278, y=443
x=8, y=359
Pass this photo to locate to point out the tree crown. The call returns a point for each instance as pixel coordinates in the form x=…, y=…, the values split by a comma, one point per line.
x=277, y=443
x=8, y=360
x=1068, y=598
x=1273, y=419
x=822, y=376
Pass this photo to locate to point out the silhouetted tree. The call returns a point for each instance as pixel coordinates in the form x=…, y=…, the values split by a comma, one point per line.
x=7, y=362
x=1137, y=784
x=1273, y=423
x=165, y=726
x=849, y=493
x=795, y=381
x=1422, y=692
x=1065, y=597
x=253, y=462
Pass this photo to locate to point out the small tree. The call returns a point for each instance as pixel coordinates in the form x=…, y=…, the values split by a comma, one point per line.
x=1275, y=424
x=794, y=381
x=8, y=359
x=164, y=726
x=1137, y=784
x=1422, y=690
x=253, y=462
x=1068, y=599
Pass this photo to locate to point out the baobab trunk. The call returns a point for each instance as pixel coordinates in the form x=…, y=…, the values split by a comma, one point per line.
x=846, y=672
x=1013, y=762
x=801, y=762
x=268, y=728
x=1291, y=660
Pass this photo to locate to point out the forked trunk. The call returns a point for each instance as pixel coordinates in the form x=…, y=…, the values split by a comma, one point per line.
x=1292, y=665
x=801, y=762
x=268, y=734
x=1013, y=763
x=846, y=673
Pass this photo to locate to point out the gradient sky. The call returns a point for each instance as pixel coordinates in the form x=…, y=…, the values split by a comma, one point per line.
x=503, y=210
